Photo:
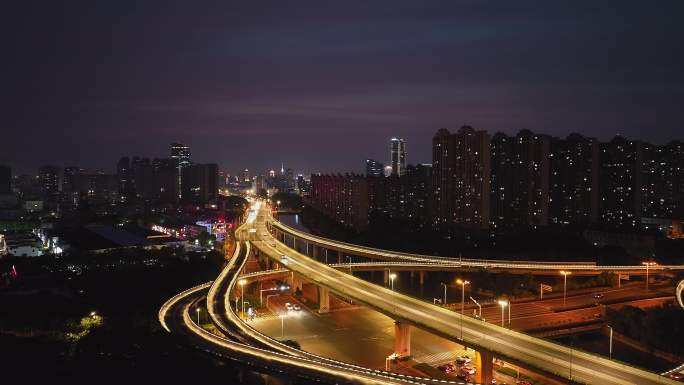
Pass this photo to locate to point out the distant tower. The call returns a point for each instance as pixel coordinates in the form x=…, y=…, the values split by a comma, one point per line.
x=374, y=168
x=181, y=154
x=398, y=156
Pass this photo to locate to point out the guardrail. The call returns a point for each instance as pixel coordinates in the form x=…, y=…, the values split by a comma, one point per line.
x=512, y=264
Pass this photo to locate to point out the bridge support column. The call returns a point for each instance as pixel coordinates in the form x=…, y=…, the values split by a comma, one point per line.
x=402, y=339
x=296, y=282
x=315, y=252
x=339, y=256
x=422, y=275
x=323, y=300
x=385, y=278
x=484, y=365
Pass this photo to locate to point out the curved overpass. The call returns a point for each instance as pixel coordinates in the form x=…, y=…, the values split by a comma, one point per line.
x=512, y=346
x=223, y=316
x=247, y=345
x=579, y=268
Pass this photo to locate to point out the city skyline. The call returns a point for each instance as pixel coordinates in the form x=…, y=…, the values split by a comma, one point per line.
x=386, y=192
x=238, y=74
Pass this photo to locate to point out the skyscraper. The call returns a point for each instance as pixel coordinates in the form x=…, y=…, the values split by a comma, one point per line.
x=461, y=178
x=374, y=168
x=398, y=156
x=520, y=179
x=574, y=186
x=200, y=183
x=663, y=183
x=49, y=181
x=621, y=183
x=181, y=153
x=5, y=179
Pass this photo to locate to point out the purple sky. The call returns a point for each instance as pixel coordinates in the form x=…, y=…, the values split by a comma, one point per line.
x=322, y=85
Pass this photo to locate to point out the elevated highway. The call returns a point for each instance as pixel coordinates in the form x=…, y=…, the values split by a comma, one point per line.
x=308, y=241
x=490, y=340
x=247, y=346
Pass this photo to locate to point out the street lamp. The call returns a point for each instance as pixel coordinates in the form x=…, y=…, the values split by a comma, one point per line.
x=503, y=304
x=445, y=289
x=648, y=264
x=392, y=276
x=478, y=306
x=565, y=282
x=198, y=311
x=282, y=325
x=463, y=285
x=242, y=283
x=610, y=339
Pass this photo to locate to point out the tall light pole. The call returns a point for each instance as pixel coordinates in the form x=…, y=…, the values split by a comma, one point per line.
x=463, y=284
x=392, y=276
x=198, y=311
x=445, y=288
x=503, y=304
x=282, y=326
x=478, y=306
x=565, y=282
x=242, y=283
x=610, y=346
x=648, y=264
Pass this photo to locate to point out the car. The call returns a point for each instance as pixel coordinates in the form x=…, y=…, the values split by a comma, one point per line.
x=676, y=376
x=598, y=296
x=296, y=307
x=469, y=370
x=283, y=259
x=446, y=368
x=461, y=360
x=289, y=306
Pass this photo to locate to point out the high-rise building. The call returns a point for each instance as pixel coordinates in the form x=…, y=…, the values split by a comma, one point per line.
x=663, y=183
x=49, y=181
x=398, y=156
x=402, y=197
x=344, y=198
x=461, y=178
x=73, y=183
x=621, y=183
x=200, y=183
x=520, y=179
x=125, y=178
x=574, y=180
x=165, y=180
x=374, y=168
x=181, y=154
x=5, y=180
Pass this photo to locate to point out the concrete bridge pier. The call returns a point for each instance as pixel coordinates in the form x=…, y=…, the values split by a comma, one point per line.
x=402, y=339
x=315, y=252
x=323, y=300
x=484, y=365
x=296, y=282
x=385, y=277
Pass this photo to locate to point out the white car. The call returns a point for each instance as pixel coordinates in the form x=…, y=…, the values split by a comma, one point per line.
x=289, y=306
x=296, y=307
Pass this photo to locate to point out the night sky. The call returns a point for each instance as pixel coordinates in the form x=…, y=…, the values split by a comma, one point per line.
x=323, y=85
